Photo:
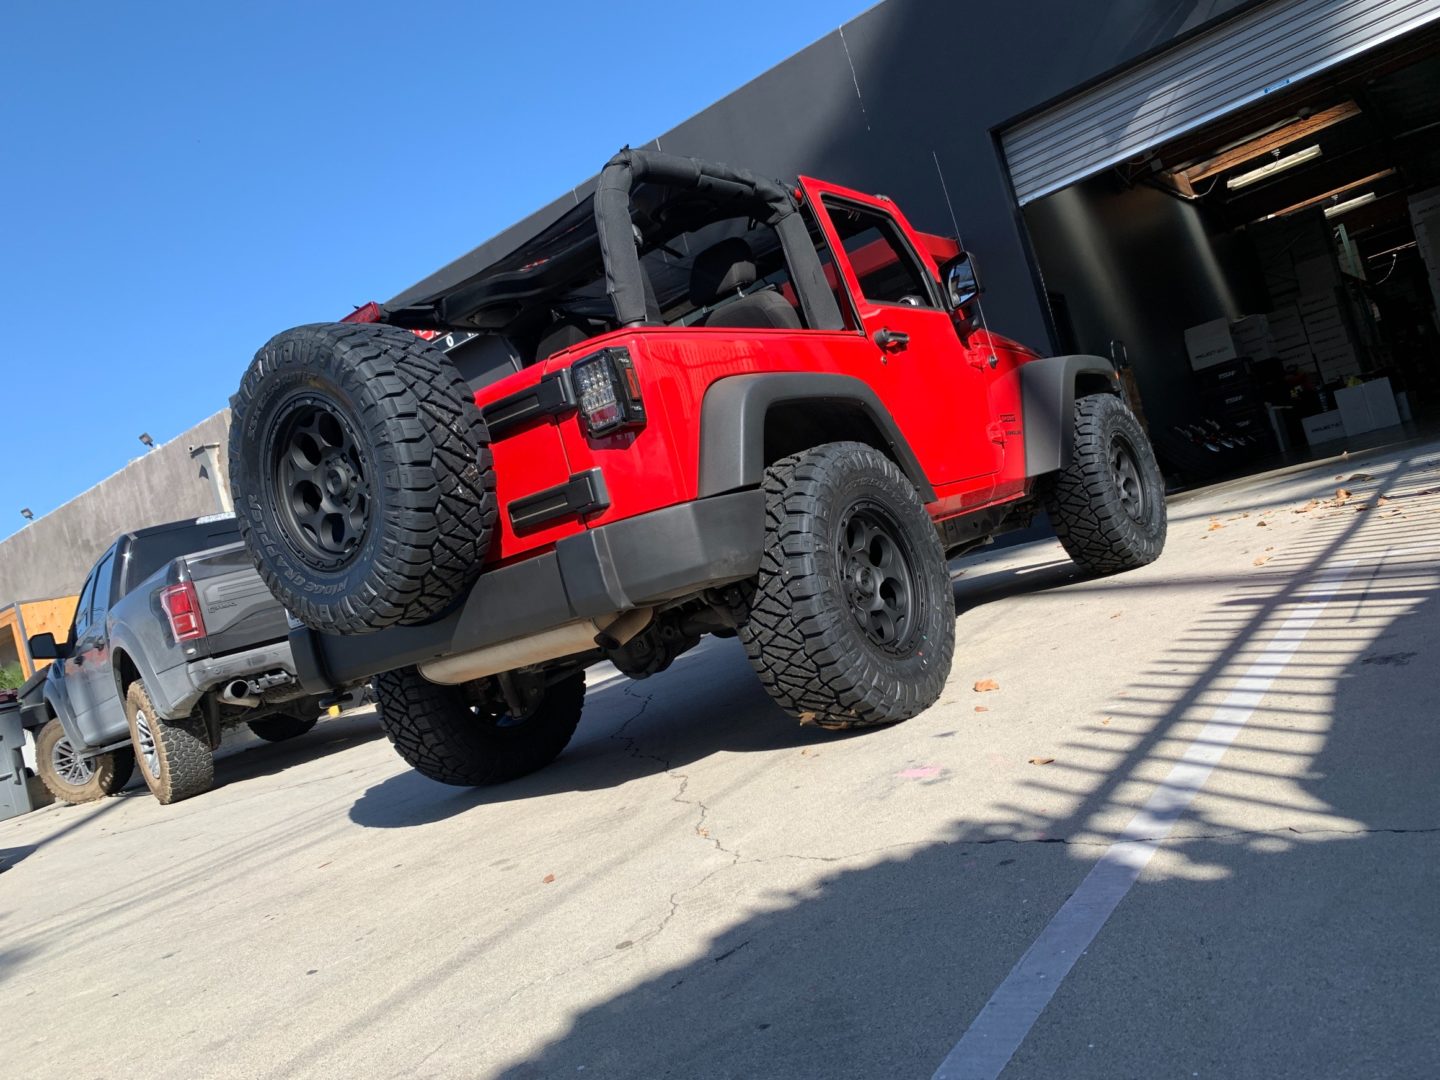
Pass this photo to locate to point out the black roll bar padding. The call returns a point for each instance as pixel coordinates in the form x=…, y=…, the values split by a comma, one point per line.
x=624, y=279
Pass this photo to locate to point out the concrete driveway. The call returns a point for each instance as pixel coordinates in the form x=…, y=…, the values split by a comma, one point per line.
x=1194, y=832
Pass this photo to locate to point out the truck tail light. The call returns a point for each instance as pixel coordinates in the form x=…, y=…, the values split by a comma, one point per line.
x=182, y=608
x=608, y=392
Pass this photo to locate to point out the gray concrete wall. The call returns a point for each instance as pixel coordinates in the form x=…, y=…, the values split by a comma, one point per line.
x=51, y=555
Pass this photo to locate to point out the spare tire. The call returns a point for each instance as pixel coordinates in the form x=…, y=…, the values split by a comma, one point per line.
x=362, y=476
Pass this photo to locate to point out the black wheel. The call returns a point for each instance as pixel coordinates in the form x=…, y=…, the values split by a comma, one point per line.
x=278, y=728
x=1108, y=506
x=362, y=476
x=174, y=755
x=456, y=735
x=71, y=776
x=852, y=622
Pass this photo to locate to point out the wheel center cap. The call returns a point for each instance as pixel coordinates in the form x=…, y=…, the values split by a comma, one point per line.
x=337, y=480
x=865, y=580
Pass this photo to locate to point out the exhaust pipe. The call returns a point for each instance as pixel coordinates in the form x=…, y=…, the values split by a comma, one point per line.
x=607, y=631
x=238, y=693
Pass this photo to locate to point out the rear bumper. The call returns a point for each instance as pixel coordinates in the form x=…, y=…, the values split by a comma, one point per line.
x=182, y=687
x=642, y=560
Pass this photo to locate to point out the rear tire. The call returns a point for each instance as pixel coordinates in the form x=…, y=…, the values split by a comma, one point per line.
x=1108, y=506
x=75, y=779
x=852, y=623
x=444, y=734
x=279, y=727
x=362, y=476
x=174, y=755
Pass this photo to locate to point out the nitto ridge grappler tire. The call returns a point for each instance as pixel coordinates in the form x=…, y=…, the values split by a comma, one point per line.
x=73, y=778
x=852, y=622
x=1108, y=505
x=279, y=727
x=362, y=476
x=449, y=735
x=174, y=755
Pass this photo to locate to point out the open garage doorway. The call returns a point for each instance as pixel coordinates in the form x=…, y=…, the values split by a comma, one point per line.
x=1271, y=277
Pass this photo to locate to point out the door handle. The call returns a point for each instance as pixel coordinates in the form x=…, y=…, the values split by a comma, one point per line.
x=891, y=340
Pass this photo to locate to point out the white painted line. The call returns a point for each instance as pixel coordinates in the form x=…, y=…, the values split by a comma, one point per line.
x=1001, y=1026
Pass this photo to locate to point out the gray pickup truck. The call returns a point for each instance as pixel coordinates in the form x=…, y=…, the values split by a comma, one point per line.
x=175, y=638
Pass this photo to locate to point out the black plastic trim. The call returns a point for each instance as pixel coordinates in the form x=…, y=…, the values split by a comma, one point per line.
x=677, y=551
x=732, y=425
x=583, y=493
x=553, y=395
x=1047, y=394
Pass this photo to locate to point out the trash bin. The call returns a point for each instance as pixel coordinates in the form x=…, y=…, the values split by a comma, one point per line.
x=14, y=787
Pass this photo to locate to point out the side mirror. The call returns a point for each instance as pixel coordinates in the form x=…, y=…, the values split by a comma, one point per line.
x=44, y=647
x=961, y=277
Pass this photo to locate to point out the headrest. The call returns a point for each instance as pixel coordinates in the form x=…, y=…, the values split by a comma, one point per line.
x=720, y=270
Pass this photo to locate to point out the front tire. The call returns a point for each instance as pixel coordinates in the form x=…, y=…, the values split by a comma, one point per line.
x=174, y=755
x=1108, y=505
x=74, y=778
x=279, y=727
x=449, y=734
x=852, y=623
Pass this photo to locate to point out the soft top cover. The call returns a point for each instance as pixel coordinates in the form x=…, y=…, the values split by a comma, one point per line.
x=643, y=198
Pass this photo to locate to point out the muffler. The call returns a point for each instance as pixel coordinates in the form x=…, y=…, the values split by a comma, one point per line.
x=607, y=631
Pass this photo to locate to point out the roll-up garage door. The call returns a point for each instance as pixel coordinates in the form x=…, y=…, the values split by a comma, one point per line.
x=1238, y=62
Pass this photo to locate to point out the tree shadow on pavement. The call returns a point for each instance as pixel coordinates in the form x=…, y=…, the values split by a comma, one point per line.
x=1306, y=949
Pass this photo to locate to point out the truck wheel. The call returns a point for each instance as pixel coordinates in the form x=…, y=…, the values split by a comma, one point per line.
x=853, y=618
x=362, y=476
x=73, y=778
x=1108, y=506
x=174, y=755
x=448, y=734
x=278, y=728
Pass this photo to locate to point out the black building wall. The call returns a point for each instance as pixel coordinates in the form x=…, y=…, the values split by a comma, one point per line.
x=879, y=102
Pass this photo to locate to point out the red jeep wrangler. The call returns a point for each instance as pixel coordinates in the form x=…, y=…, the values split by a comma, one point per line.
x=699, y=402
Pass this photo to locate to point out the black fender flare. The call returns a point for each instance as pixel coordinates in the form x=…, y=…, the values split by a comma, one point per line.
x=1048, y=388
x=732, y=425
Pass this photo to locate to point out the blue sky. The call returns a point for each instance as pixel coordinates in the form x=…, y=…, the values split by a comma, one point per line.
x=180, y=181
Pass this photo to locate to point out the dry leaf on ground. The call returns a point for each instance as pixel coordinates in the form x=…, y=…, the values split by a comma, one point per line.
x=1311, y=505
x=547, y=879
x=1214, y=525
x=982, y=708
x=984, y=686
x=1260, y=560
x=1041, y=760
x=1262, y=524
x=1342, y=495
x=1360, y=478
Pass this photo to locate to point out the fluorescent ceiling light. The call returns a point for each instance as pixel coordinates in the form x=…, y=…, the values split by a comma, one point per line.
x=1279, y=165
x=1349, y=204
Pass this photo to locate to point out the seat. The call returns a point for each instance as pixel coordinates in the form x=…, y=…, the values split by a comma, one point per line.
x=727, y=269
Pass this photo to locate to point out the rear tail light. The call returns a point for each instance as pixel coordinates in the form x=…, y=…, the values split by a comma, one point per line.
x=608, y=392
x=182, y=608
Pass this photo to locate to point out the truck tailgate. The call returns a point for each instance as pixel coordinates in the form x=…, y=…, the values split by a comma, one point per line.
x=238, y=608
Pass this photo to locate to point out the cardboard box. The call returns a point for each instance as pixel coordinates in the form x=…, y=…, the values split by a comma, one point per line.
x=1325, y=427
x=1368, y=406
x=1209, y=344
x=1317, y=273
x=1252, y=337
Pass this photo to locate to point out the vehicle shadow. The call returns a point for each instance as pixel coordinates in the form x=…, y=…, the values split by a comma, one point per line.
x=636, y=729
x=630, y=730
x=248, y=758
x=1235, y=939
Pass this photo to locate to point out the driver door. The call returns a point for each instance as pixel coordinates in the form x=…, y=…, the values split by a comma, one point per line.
x=88, y=678
x=936, y=388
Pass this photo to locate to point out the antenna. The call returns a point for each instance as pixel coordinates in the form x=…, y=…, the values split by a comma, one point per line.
x=979, y=303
